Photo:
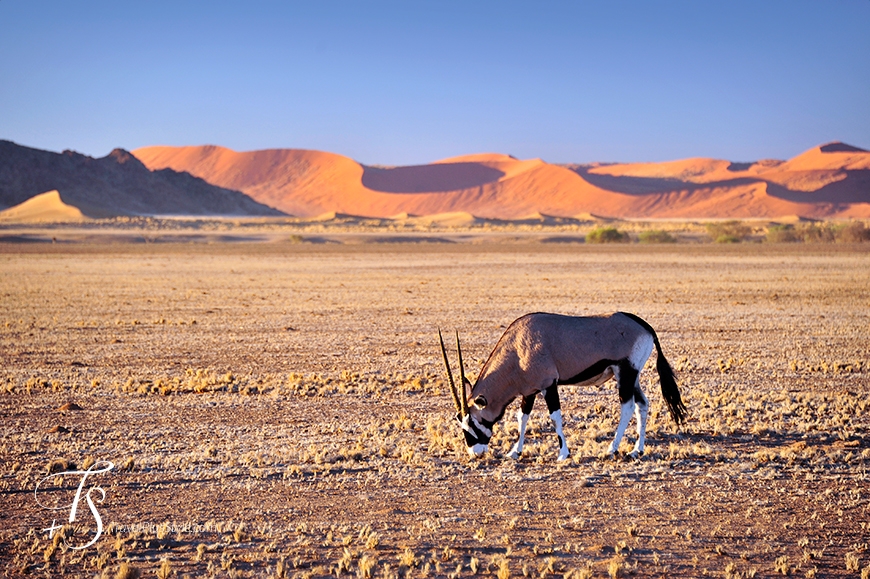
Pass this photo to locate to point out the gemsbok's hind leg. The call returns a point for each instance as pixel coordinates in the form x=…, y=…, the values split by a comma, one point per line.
x=523, y=420
x=551, y=395
x=626, y=376
x=641, y=409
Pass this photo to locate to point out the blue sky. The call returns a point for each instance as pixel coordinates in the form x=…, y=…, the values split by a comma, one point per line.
x=399, y=83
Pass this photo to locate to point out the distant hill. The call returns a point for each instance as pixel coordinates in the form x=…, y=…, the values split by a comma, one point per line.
x=832, y=180
x=117, y=184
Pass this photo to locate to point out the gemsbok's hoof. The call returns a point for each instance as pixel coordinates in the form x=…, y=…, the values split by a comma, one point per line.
x=514, y=455
x=635, y=454
x=563, y=457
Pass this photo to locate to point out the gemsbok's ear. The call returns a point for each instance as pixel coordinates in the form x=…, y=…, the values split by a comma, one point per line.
x=480, y=402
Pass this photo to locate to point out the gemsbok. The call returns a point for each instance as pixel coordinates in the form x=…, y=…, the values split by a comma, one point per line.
x=539, y=352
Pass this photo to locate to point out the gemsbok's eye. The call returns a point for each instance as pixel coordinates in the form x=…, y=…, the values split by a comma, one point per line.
x=480, y=402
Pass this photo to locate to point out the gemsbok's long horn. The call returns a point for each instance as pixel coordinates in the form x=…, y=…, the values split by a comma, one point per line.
x=450, y=376
x=463, y=397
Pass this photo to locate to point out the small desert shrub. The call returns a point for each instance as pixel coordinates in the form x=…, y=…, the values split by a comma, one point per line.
x=781, y=565
x=165, y=569
x=656, y=236
x=816, y=233
x=614, y=567
x=241, y=534
x=782, y=234
x=372, y=542
x=365, y=566
x=281, y=568
x=582, y=573
x=474, y=565
x=127, y=571
x=728, y=231
x=731, y=571
x=607, y=235
x=504, y=570
x=408, y=558
x=853, y=232
x=60, y=465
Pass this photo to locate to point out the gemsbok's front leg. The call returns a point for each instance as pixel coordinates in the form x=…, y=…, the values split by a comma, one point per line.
x=551, y=395
x=523, y=420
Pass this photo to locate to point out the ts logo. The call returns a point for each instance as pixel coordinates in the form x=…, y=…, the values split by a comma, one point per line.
x=97, y=468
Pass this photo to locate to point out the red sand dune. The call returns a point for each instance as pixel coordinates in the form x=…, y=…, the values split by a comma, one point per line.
x=832, y=180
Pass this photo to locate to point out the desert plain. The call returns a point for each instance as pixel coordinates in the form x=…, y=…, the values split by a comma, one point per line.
x=277, y=408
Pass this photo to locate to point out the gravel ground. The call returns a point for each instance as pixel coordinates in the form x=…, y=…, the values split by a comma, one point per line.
x=277, y=409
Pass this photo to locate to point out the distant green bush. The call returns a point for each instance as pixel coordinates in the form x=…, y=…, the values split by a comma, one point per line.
x=728, y=231
x=728, y=239
x=656, y=236
x=607, y=235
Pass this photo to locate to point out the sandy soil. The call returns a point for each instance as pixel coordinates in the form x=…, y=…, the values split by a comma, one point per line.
x=279, y=410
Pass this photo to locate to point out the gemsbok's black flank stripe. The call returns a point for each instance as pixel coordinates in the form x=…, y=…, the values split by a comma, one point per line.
x=593, y=371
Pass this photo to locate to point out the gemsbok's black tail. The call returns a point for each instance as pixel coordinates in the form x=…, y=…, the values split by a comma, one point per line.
x=670, y=391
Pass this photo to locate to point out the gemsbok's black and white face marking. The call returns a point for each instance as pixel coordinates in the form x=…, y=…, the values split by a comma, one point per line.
x=539, y=352
x=477, y=433
x=477, y=430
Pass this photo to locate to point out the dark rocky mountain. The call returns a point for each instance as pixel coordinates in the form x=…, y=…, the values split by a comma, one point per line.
x=117, y=184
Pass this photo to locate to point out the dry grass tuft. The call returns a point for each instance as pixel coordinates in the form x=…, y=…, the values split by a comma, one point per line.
x=504, y=570
x=128, y=571
x=165, y=569
x=614, y=567
x=365, y=566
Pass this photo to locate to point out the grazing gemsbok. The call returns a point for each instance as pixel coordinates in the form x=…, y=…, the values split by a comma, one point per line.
x=539, y=352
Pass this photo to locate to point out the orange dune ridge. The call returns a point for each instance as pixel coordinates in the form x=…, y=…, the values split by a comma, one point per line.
x=832, y=180
x=309, y=183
